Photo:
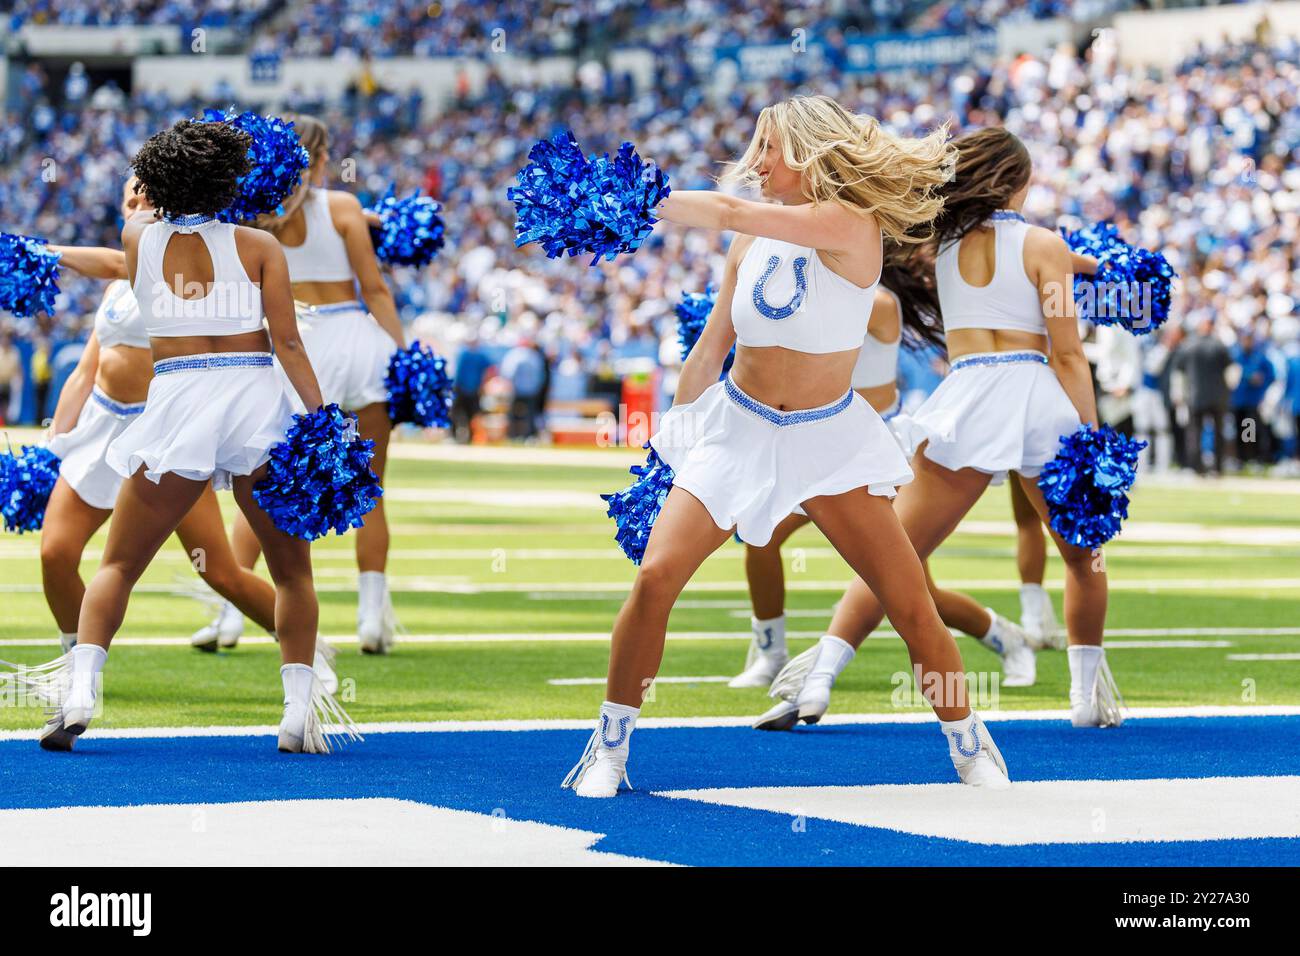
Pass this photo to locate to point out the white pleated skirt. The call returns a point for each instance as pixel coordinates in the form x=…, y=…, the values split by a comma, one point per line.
x=213, y=416
x=349, y=352
x=751, y=465
x=82, y=450
x=995, y=412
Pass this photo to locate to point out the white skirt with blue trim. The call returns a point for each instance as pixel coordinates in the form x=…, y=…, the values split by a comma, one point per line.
x=995, y=412
x=82, y=450
x=207, y=416
x=349, y=351
x=751, y=465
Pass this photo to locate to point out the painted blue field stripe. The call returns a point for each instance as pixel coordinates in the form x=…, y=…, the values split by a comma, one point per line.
x=518, y=773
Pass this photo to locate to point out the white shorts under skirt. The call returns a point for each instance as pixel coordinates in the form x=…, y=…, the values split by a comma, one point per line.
x=995, y=412
x=349, y=353
x=751, y=465
x=207, y=416
x=82, y=450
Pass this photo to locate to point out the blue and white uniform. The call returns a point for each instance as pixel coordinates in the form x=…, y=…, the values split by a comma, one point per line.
x=347, y=347
x=81, y=449
x=751, y=465
x=877, y=363
x=997, y=411
x=213, y=415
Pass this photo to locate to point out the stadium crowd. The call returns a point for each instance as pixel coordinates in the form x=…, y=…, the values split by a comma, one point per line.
x=1199, y=163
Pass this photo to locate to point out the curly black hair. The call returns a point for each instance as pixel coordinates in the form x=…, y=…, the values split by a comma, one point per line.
x=192, y=168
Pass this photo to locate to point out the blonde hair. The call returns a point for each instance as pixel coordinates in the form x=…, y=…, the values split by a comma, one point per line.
x=315, y=138
x=848, y=158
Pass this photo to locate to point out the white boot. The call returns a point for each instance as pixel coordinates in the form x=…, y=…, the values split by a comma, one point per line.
x=230, y=625
x=1038, y=619
x=73, y=696
x=978, y=761
x=1095, y=700
x=804, y=685
x=311, y=715
x=1019, y=666
x=767, y=653
x=323, y=665
x=376, y=622
x=603, y=765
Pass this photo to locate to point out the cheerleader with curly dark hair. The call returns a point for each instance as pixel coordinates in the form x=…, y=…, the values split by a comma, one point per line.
x=214, y=409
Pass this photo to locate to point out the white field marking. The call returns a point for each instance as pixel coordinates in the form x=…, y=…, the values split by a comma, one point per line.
x=1263, y=657
x=362, y=832
x=620, y=458
x=545, y=637
x=1164, y=645
x=1043, y=811
x=593, y=681
x=919, y=716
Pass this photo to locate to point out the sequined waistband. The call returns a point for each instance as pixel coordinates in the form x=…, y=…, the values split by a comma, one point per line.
x=781, y=419
x=212, y=360
x=117, y=408
x=999, y=358
x=334, y=308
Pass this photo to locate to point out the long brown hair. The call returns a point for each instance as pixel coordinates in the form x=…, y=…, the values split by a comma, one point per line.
x=315, y=138
x=908, y=272
x=992, y=166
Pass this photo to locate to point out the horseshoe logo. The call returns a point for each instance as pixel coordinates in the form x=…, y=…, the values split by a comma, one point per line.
x=800, y=289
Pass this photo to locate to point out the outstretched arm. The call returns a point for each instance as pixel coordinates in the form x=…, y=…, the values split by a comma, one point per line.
x=94, y=262
x=828, y=225
x=76, y=389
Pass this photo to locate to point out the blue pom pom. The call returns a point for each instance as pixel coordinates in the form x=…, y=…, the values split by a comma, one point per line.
x=410, y=230
x=319, y=477
x=692, y=315
x=574, y=204
x=278, y=158
x=635, y=508
x=26, y=480
x=419, y=388
x=1086, y=485
x=29, y=276
x=1132, y=286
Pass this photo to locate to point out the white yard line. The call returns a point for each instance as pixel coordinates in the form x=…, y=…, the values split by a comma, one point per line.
x=561, y=637
x=593, y=681
x=1264, y=657
x=464, y=726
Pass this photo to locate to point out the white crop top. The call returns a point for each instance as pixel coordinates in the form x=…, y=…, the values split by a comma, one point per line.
x=786, y=296
x=233, y=304
x=878, y=361
x=1009, y=301
x=323, y=256
x=118, y=321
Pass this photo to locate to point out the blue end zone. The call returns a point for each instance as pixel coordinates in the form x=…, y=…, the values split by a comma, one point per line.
x=519, y=773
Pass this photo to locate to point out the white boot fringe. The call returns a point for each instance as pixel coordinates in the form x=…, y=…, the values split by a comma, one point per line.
x=328, y=724
x=49, y=682
x=1106, y=698
x=789, y=682
x=586, y=762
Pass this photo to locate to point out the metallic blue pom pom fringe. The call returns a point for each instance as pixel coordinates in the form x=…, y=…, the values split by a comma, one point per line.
x=1086, y=485
x=26, y=480
x=635, y=508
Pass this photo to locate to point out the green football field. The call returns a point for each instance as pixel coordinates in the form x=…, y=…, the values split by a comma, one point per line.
x=506, y=580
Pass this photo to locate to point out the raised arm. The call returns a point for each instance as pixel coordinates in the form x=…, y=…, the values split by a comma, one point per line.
x=828, y=225
x=282, y=320
x=704, y=365
x=350, y=220
x=76, y=389
x=1048, y=261
x=94, y=262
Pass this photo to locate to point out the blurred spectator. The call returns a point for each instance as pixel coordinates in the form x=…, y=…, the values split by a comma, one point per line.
x=526, y=369
x=11, y=378
x=1254, y=437
x=1204, y=360
x=472, y=366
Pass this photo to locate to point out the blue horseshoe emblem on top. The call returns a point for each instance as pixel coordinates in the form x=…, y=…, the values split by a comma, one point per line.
x=796, y=300
x=604, y=731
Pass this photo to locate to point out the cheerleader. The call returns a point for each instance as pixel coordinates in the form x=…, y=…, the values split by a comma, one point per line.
x=101, y=397
x=1019, y=382
x=875, y=378
x=326, y=240
x=785, y=429
x=214, y=409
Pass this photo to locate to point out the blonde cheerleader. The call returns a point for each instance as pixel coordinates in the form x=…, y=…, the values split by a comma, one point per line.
x=214, y=409
x=1019, y=383
x=325, y=236
x=785, y=430
x=875, y=379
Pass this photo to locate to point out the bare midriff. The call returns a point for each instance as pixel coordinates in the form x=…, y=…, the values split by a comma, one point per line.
x=972, y=341
x=325, y=293
x=124, y=372
x=788, y=380
x=183, y=345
